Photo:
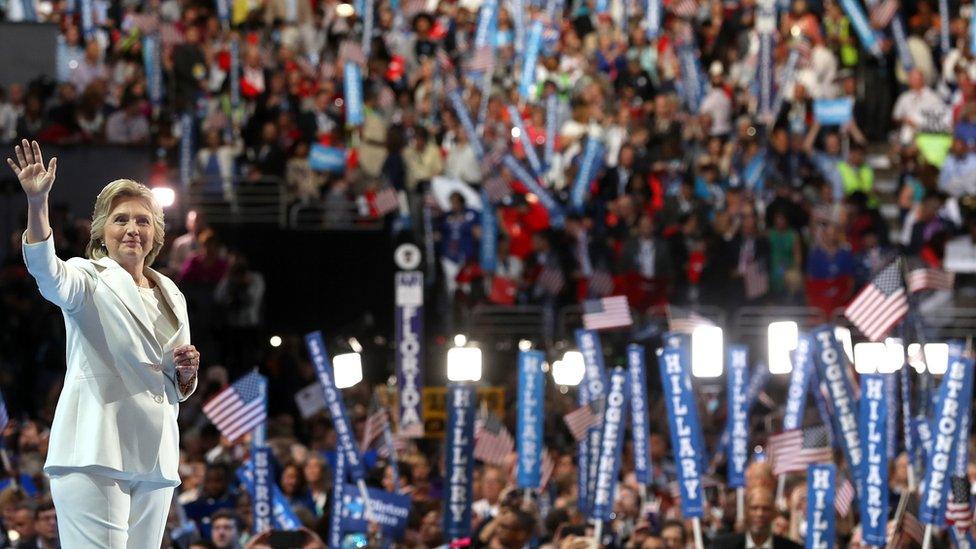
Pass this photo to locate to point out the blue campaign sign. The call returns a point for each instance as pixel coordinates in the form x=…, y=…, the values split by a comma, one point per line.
x=531, y=418
x=683, y=424
x=874, y=468
x=821, y=516
x=738, y=410
x=833, y=112
x=390, y=511
x=327, y=159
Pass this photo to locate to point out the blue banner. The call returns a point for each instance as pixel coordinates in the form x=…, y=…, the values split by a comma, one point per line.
x=738, y=412
x=639, y=422
x=901, y=43
x=556, y=215
x=527, y=145
x=529, y=60
x=652, y=19
x=459, y=461
x=552, y=119
x=223, y=13
x=409, y=340
x=874, y=467
x=832, y=368
x=906, y=417
x=235, y=78
x=961, y=458
x=821, y=516
x=595, y=381
x=590, y=162
x=368, y=20
x=352, y=90
x=796, y=394
x=327, y=159
x=692, y=78
x=518, y=14
x=833, y=112
x=923, y=436
x=955, y=393
x=765, y=74
x=390, y=511
x=87, y=22
x=153, y=68
x=335, y=520
x=186, y=150
x=583, y=460
x=487, y=17
x=335, y=404
x=891, y=423
x=262, y=490
x=757, y=381
x=489, y=235
x=683, y=422
x=466, y=123
x=945, y=41
x=530, y=428
x=284, y=517
x=859, y=21
x=611, y=446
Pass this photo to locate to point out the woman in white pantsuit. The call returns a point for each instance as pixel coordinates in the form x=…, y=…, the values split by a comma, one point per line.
x=114, y=447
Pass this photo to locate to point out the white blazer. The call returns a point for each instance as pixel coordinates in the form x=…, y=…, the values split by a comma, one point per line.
x=117, y=410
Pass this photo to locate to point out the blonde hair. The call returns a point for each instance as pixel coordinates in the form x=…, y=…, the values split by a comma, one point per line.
x=105, y=202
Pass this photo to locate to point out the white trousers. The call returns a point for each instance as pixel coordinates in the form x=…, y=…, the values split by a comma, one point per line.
x=103, y=512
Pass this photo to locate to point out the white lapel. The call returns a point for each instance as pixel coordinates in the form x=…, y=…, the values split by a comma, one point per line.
x=120, y=282
x=172, y=296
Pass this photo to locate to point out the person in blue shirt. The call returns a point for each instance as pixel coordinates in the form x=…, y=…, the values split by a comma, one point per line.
x=458, y=232
x=216, y=495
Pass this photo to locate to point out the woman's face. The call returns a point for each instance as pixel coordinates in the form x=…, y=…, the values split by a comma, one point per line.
x=289, y=480
x=313, y=471
x=129, y=231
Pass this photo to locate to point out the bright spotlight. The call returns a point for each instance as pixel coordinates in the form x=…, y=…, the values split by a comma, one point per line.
x=275, y=341
x=345, y=10
x=707, y=351
x=783, y=338
x=460, y=340
x=894, y=356
x=525, y=345
x=868, y=357
x=464, y=364
x=347, y=369
x=843, y=334
x=570, y=370
x=165, y=196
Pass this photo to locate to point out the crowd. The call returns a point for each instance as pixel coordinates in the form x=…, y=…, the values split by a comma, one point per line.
x=706, y=200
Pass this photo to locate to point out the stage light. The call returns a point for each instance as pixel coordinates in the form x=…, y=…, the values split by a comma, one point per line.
x=843, y=334
x=894, y=356
x=936, y=357
x=345, y=10
x=275, y=341
x=868, y=357
x=460, y=340
x=524, y=345
x=165, y=196
x=464, y=363
x=707, y=351
x=570, y=370
x=355, y=345
x=347, y=369
x=782, y=338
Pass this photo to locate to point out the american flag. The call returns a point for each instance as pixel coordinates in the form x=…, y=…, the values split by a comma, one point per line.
x=844, y=498
x=239, y=408
x=377, y=420
x=584, y=418
x=398, y=444
x=493, y=157
x=684, y=320
x=606, y=312
x=548, y=466
x=600, y=284
x=880, y=305
x=959, y=513
x=756, y=280
x=386, y=201
x=684, y=8
x=492, y=441
x=796, y=449
x=882, y=13
x=909, y=531
x=413, y=7
x=482, y=60
x=551, y=280
x=930, y=279
x=497, y=189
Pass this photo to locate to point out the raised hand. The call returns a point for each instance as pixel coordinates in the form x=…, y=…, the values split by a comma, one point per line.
x=35, y=179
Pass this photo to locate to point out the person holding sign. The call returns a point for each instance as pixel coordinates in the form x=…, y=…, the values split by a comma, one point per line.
x=114, y=446
x=760, y=512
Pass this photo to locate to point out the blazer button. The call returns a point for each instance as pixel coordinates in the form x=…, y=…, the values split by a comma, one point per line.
x=158, y=399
